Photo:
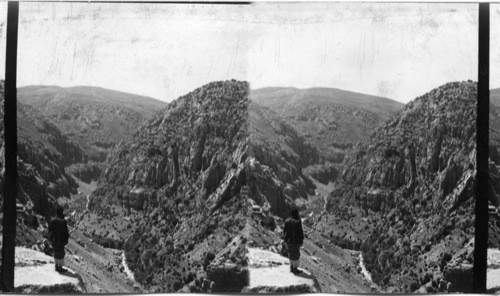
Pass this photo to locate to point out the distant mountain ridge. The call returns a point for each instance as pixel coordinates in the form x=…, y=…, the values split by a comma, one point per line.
x=281, y=154
x=329, y=118
x=94, y=117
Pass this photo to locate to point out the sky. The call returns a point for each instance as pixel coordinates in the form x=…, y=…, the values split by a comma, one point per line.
x=399, y=51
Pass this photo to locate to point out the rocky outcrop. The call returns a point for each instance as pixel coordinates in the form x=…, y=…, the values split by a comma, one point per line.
x=458, y=272
x=270, y=273
x=197, y=162
x=213, y=176
x=35, y=274
x=181, y=174
x=413, y=178
x=265, y=187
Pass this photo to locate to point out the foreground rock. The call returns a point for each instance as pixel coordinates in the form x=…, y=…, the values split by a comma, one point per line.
x=270, y=273
x=34, y=273
x=493, y=271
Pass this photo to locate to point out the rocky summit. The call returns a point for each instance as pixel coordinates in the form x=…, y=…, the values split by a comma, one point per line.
x=179, y=179
x=413, y=181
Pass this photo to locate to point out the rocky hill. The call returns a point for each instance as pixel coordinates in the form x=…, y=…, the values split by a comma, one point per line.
x=331, y=119
x=175, y=183
x=94, y=118
x=413, y=181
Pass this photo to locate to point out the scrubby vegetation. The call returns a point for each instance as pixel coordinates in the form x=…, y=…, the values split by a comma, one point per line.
x=180, y=175
x=413, y=178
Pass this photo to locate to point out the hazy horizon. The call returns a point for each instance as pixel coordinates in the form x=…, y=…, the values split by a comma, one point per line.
x=392, y=50
x=251, y=88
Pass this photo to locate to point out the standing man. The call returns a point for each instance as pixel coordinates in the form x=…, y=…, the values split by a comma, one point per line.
x=294, y=237
x=59, y=235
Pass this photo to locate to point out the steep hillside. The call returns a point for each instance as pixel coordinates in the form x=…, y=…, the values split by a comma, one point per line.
x=280, y=155
x=413, y=181
x=331, y=119
x=176, y=182
x=43, y=153
x=495, y=96
x=495, y=124
x=94, y=118
x=494, y=134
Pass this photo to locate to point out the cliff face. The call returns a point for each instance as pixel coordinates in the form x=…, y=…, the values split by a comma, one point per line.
x=280, y=154
x=180, y=176
x=413, y=178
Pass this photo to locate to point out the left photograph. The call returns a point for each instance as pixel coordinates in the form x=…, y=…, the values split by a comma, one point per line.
x=131, y=138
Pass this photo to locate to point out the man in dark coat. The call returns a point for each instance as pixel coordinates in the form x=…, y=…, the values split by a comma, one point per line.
x=59, y=236
x=294, y=237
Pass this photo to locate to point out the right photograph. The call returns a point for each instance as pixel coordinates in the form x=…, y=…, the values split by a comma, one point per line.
x=363, y=145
